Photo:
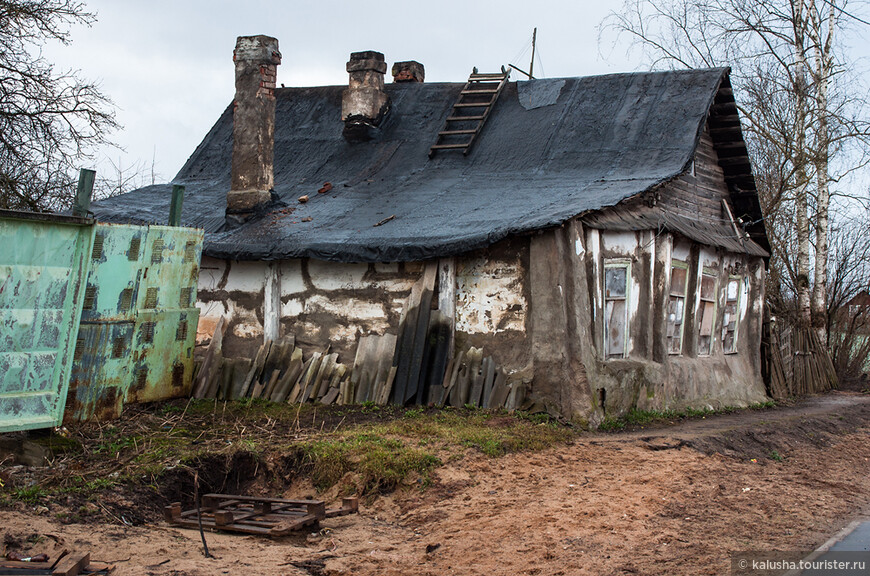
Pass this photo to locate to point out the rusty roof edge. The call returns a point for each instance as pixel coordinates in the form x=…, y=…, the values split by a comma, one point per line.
x=48, y=217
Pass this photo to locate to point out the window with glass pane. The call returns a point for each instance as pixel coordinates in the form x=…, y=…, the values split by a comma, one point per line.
x=706, y=312
x=616, y=277
x=677, y=306
x=729, y=322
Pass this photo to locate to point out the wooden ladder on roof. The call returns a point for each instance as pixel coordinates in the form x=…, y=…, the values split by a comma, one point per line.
x=470, y=112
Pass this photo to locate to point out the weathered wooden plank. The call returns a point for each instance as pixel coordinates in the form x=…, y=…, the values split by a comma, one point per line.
x=477, y=376
x=489, y=370
x=405, y=343
x=324, y=376
x=71, y=564
x=291, y=374
x=270, y=383
x=499, y=392
x=364, y=349
x=384, y=363
x=205, y=372
x=296, y=390
x=330, y=396
x=419, y=348
x=308, y=378
x=256, y=368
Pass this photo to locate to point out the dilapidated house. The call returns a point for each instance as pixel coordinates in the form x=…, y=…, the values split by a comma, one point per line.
x=602, y=239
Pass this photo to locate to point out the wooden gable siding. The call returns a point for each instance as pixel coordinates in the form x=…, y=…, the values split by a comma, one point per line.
x=699, y=196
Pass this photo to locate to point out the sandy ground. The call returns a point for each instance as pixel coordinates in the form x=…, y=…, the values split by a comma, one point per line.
x=671, y=500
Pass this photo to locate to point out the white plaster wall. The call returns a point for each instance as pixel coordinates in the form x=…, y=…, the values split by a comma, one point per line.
x=489, y=296
x=681, y=251
x=244, y=278
x=336, y=302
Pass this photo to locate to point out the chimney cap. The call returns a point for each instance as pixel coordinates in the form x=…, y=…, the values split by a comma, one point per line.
x=408, y=71
x=367, y=60
x=258, y=48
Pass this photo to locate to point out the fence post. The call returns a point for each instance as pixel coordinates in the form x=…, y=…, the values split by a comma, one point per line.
x=84, y=191
x=175, y=206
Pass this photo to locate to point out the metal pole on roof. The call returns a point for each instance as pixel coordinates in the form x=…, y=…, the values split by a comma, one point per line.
x=532, y=63
x=83, y=193
x=175, y=206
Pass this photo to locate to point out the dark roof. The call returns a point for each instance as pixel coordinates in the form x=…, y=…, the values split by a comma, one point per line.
x=551, y=150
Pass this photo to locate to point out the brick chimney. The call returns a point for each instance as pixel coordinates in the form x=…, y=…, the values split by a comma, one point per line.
x=256, y=59
x=364, y=103
x=408, y=71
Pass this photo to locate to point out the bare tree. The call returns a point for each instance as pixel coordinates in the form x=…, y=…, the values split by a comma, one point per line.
x=803, y=115
x=849, y=282
x=49, y=120
x=122, y=179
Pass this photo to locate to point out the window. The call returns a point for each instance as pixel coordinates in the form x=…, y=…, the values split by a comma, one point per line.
x=616, y=277
x=729, y=323
x=677, y=306
x=706, y=312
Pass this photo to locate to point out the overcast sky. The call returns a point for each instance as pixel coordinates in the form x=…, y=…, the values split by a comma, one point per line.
x=167, y=64
x=168, y=67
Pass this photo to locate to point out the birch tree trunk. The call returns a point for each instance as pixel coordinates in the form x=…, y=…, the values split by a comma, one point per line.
x=822, y=45
x=802, y=281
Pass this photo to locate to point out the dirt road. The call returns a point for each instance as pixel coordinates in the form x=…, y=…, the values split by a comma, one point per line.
x=665, y=500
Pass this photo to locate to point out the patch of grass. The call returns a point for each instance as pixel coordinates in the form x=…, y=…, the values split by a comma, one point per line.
x=30, y=494
x=635, y=417
x=86, y=488
x=774, y=455
x=383, y=463
x=762, y=405
x=114, y=446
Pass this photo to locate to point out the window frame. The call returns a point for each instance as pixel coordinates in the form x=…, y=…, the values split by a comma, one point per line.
x=624, y=263
x=683, y=266
x=737, y=303
x=706, y=271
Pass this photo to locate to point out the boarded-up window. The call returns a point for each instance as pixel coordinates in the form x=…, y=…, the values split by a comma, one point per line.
x=706, y=312
x=729, y=322
x=616, y=277
x=677, y=306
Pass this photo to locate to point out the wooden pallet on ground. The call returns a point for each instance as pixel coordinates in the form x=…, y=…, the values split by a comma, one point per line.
x=272, y=517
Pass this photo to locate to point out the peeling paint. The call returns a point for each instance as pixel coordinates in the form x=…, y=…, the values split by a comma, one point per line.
x=489, y=296
x=42, y=285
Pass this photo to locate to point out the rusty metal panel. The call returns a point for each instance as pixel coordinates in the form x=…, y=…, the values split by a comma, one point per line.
x=43, y=267
x=162, y=365
x=136, y=336
x=167, y=314
x=101, y=372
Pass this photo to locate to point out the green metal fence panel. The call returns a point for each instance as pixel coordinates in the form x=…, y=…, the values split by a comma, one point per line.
x=102, y=372
x=139, y=319
x=43, y=267
x=167, y=313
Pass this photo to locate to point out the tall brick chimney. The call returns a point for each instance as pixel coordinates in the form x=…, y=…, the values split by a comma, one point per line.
x=256, y=59
x=364, y=103
x=408, y=71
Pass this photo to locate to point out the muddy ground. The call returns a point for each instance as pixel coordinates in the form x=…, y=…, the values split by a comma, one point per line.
x=668, y=499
